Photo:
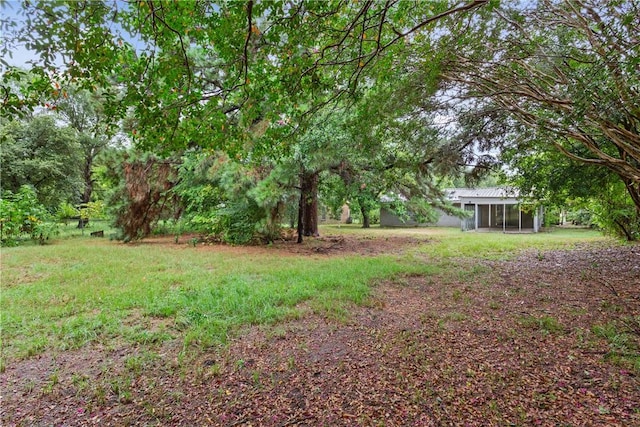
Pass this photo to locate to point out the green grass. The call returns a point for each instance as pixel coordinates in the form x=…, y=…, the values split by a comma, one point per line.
x=622, y=338
x=78, y=291
x=452, y=243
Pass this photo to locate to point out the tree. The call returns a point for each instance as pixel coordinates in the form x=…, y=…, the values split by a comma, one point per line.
x=565, y=72
x=202, y=74
x=546, y=174
x=233, y=200
x=144, y=194
x=39, y=153
x=83, y=112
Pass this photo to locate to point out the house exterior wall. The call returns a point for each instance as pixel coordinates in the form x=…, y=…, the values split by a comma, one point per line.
x=490, y=208
x=389, y=219
x=446, y=220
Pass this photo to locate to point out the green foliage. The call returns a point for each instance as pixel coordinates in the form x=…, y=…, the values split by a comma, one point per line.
x=234, y=202
x=613, y=211
x=580, y=217
x=39, y=153
x=65, y=212
x=591, y=195
x=92, y=210
x=623, y=339
x=546, y=324
x=22, y=215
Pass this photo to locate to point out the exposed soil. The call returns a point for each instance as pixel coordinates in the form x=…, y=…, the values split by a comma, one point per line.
x=499, y=343
x=327, y=244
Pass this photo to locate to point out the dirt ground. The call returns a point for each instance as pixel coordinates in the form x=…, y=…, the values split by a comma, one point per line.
x=500, y=343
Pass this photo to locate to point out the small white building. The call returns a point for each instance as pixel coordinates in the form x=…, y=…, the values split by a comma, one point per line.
x=496, y=208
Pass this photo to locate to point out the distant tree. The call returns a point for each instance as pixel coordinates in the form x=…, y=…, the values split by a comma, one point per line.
x=84, y=112
x=546, y=175
x=39, y=153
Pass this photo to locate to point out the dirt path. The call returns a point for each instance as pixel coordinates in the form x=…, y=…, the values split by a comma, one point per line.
x=505, y=343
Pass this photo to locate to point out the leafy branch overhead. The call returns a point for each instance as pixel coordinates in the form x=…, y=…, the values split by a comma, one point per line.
x=568, y=71
x=196, y=68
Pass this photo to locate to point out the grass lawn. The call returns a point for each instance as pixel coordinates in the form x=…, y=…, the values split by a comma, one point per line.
x=359, y=327
x=79, y=290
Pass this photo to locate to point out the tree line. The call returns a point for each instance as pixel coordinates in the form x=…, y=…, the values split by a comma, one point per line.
x=242, y=114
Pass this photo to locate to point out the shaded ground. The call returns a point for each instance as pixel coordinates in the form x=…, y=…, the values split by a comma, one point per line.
x=500, y=343
x=328, y=244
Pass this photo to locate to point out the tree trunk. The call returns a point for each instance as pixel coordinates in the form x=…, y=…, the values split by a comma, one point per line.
x=633, y=188
x=308, y=215
x=300, y=216
x=365, y=217
x=88, y=188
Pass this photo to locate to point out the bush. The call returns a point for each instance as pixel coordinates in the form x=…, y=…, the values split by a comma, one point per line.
x=66, y=212
x=231, y=201
x=580, y=217
x=21, y=215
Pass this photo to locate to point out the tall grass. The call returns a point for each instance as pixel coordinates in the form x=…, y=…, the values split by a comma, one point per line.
x=79, y=291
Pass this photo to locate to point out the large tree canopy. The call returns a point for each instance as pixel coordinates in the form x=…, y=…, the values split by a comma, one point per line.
x=567, y=72
x=193, y=69
x=474, y=76
x=38, y=153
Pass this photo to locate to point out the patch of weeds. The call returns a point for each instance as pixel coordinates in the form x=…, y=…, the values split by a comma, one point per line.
x=330, y=308
x=80, y=382
x=240, y=364
x=455, y=317
x=546, y=324
x=255, y=376
x=456, y=295
x=75, y=332
x=162, y=310
x=100, y=394
x=150, y=337
x=215, y=369
x=291, y=362
x=583, y=338
x=35, y=346
x=428, y=318
x=494, y=305
x=54, y=380
x=578, y=311
x=134, y=364
x=277, y=332
x=471, y=274
x=544, y=400
x=450, y=317
x=611, y=307
x=29, y=386
x=624, y=348
x=121, y=387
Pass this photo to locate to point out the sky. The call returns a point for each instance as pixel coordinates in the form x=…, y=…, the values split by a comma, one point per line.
x=10, y=10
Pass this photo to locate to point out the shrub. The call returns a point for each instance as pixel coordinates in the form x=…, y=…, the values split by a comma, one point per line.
x=21, y=215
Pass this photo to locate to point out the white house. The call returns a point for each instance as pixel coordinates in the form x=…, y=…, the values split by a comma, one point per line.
x=496, y=208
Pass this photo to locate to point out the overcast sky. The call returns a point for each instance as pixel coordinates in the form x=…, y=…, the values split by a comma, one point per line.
x=10, y=10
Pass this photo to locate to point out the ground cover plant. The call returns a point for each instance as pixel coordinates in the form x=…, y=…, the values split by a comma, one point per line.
x=378, y=327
